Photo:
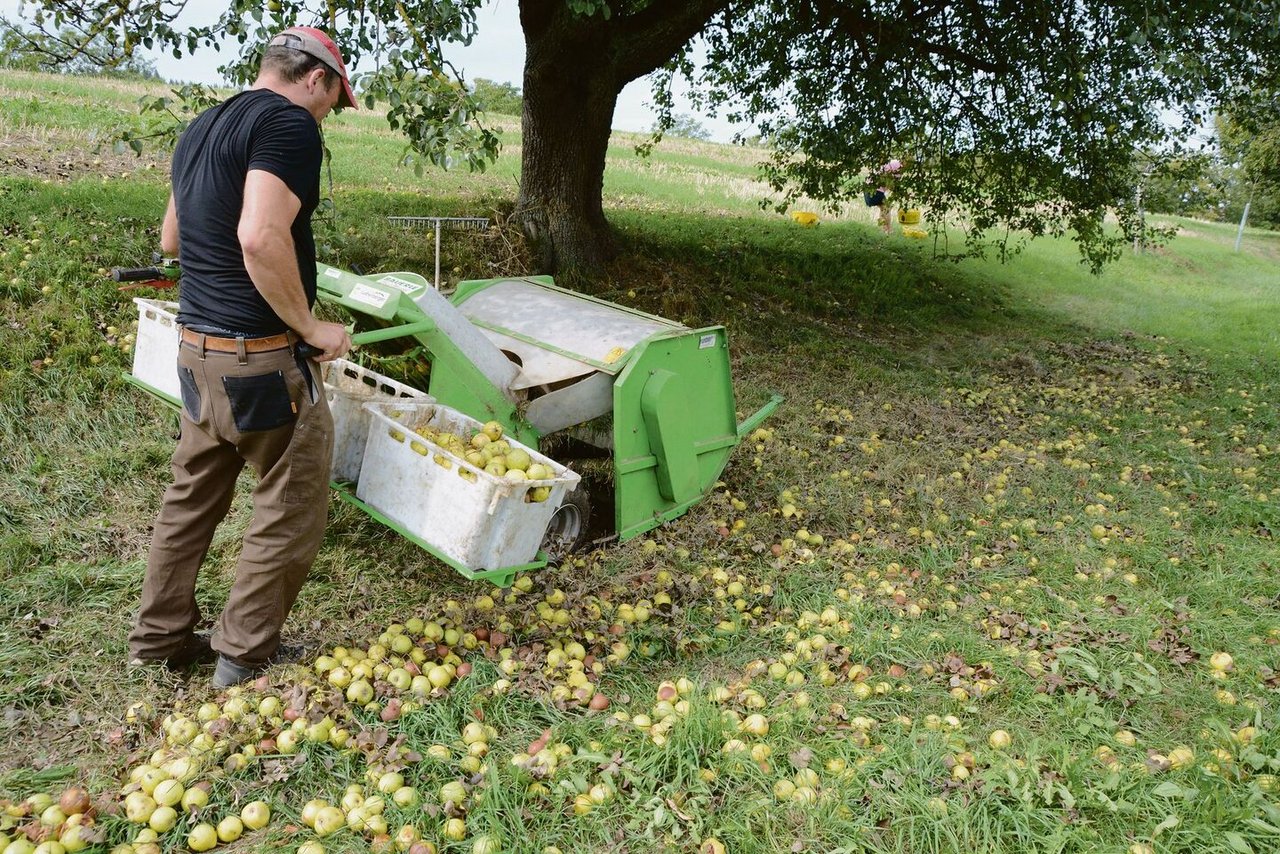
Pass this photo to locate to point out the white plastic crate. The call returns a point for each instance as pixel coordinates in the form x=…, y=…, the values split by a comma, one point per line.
x=348, y=386
x=155, y=349
x=482, y=522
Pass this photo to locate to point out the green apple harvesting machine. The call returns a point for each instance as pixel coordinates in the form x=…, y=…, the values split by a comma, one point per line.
x=558, y=370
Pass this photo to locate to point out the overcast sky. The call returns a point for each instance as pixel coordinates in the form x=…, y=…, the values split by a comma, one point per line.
x=496, y=54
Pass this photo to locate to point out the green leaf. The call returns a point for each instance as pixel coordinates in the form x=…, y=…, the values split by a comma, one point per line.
x=1254, y=759
x=1237, y=842
x=1259, y=824
x=1167, y=789
x=1068, y=799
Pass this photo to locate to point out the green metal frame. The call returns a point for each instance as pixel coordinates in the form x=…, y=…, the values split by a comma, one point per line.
x=674, y=427
x=169, y=400
x=674, y=424
x=455, y=381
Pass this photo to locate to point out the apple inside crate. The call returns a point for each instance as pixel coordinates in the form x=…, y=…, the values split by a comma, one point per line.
x=349, y=386
x=155, y=348
x=480, y=519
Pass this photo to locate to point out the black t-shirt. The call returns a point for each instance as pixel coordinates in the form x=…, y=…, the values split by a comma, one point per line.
x=257, y=129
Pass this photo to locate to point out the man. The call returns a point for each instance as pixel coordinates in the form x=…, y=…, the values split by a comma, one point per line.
x=246, y=178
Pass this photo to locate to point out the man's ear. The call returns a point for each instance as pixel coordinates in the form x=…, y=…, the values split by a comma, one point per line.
x=316, y=77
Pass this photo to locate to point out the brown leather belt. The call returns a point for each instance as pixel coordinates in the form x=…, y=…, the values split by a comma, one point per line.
x=232, y=345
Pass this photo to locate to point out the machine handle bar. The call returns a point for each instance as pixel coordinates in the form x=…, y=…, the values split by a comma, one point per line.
x=137, y=274
x=373, y=336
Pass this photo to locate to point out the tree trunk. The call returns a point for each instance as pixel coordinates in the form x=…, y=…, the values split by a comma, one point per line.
x=569, y=97
x=574, y=68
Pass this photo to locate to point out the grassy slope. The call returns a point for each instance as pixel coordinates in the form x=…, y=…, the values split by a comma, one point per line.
x=1045, y=499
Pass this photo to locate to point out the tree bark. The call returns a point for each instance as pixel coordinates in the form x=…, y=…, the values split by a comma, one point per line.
x=575, y=66
x=569, y=96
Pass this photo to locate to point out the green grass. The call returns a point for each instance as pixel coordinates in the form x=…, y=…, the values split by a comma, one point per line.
x=1196, y=290
x=1044, y=498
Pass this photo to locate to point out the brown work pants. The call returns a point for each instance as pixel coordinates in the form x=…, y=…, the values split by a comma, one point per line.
x=255, y=408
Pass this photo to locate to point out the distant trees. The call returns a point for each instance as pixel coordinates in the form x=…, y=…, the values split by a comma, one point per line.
x=67, y=52
x=1195, y=186
x=13, y=52
x=1250, y=137
x=1242, y=168
x=684, y=126
x=494, y=97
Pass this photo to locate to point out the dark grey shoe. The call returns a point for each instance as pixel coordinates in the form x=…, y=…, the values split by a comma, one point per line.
x=229, y=672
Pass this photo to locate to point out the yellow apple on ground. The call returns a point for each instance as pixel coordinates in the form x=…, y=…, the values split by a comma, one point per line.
x=163, y=819
x=203, y=837
x=230, y=828
x=255, y=815
x=310, y=810
x=74, y=839
x=328, y=820
x=138, y=807
x=455, y=829
x=168, y=792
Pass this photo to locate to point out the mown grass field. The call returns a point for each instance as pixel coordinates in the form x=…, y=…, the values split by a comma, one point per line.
x=1001, y=575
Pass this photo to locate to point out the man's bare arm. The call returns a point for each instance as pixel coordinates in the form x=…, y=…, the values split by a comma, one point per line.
x=269, y=257
x=169, y=229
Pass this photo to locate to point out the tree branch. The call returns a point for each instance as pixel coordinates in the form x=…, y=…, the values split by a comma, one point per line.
x=905, y=32
x=649, y=38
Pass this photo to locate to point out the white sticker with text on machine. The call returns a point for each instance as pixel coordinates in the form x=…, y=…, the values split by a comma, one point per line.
x=707, y=341
x=369, y=296
x=400, y=284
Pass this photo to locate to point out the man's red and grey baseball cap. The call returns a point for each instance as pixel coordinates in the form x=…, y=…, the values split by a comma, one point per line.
x=317, y=43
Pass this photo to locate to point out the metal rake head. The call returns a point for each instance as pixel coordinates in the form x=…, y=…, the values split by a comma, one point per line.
x=450, y=223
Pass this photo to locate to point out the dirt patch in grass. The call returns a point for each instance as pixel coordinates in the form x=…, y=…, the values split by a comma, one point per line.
x=64, y=157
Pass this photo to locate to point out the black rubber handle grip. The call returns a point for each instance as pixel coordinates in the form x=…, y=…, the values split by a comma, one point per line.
x=136, y=274
x=306, y=351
